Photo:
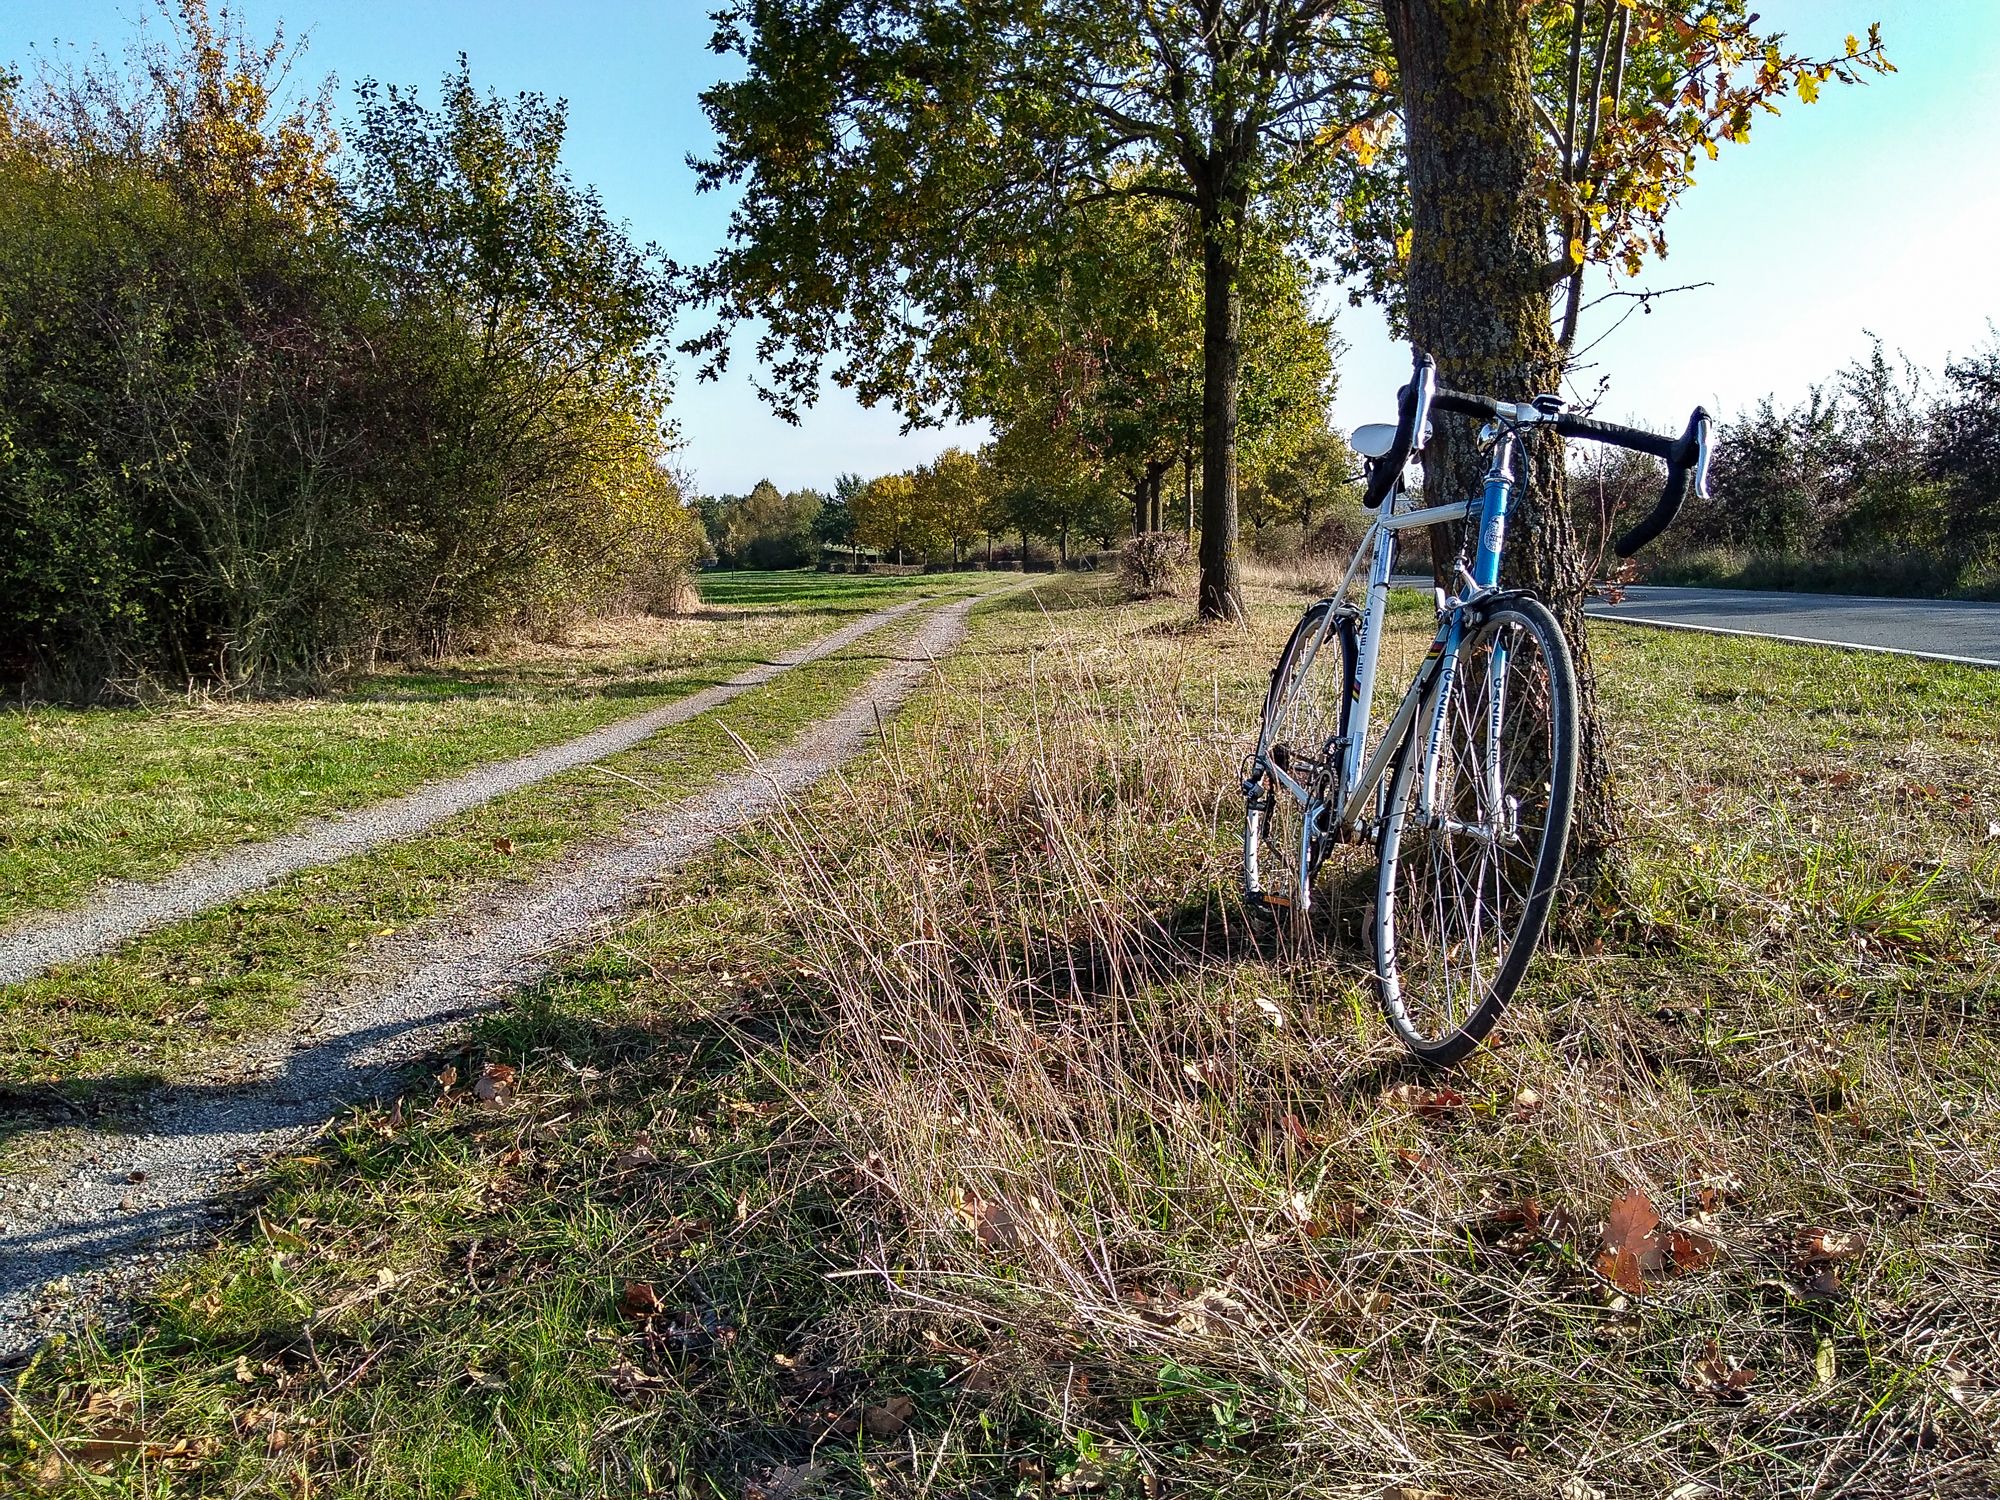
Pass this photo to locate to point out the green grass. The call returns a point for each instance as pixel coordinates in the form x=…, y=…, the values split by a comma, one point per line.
x=972, y=1105
x=800, y=587
x=88, y=795
x=88, y=1034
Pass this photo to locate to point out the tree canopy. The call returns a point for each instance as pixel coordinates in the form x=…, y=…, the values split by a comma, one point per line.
x=897, y=157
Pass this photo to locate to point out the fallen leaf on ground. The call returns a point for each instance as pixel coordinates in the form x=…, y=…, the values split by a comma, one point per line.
x=640, y=1301
x=1828, y=1246
x=890, y=1418
x=638, y=1154
x=495, y=1084
x=1429, y=1104
x=1690, y=1249
x=1316, y=1220
x=1299, y=1133
x=503, y=846
x=1714, y=1375
x=1631, y=1242
x=630, y=1383
x=1084, y=1478
x=1517, y=1227
x=995, y=1225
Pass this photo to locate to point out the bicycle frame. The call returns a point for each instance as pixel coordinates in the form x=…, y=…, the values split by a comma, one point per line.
x=1345, y=815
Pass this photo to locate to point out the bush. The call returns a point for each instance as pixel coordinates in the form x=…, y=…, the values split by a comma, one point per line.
x=261, y=419
x=1282, y=541
x=1884, y=481
x=1154, y=565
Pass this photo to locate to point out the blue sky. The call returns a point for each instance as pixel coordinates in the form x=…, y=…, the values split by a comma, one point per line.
x=1875, y=210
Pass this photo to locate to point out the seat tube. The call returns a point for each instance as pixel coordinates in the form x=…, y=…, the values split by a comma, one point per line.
x=1493, y=513
x=1361, y=709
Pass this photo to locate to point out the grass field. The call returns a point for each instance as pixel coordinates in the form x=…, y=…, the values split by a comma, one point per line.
x=964, y=1135
x=172, y=1001
x=88, y=795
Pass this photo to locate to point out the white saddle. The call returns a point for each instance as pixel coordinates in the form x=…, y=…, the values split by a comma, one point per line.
x=1373, y=440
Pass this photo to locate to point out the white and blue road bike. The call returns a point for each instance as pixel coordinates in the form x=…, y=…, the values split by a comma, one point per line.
x=1468, y=790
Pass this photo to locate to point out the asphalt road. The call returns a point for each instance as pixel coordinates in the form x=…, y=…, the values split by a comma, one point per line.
x=1949, y=629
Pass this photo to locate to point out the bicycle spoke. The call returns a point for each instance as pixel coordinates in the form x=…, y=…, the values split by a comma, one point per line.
x=1465, y=884
x=1304, y=716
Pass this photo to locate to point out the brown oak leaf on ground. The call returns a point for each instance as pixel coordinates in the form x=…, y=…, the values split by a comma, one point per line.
x=495, y=1084
x=1713, y=1375
x=890, y=1418
x=1632, y=1242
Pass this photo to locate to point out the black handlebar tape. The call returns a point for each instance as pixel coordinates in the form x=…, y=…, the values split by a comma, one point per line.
x=1680, y=455
x=1461, y=405
x=1638, y=440
x=1387, y=469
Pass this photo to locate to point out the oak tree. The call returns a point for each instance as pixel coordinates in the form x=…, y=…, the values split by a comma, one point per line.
x=892, y=153
x=1539, y=137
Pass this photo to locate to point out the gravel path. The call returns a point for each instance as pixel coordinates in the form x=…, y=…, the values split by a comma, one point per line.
x=137, y=1200
x=123, y=909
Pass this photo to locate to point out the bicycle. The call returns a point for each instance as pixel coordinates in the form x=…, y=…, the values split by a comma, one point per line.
x=1468, y=792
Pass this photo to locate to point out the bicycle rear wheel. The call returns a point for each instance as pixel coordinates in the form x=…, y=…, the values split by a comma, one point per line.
x=1305, y=715
x=1464, y=888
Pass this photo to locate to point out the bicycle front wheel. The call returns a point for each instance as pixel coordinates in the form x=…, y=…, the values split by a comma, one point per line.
x=1469, y=865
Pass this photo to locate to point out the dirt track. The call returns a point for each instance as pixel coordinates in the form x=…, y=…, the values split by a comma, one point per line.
x=87, y=1220
x=125, y=909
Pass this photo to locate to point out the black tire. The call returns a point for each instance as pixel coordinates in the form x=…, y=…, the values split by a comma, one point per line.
x=1306, y=713
x=1447, y=889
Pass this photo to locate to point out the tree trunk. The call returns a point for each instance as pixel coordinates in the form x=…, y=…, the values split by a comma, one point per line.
x=1147, y=514
x=1221, y=595
x=1478, y=287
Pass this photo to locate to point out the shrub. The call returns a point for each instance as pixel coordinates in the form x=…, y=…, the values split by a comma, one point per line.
x=1282, y=541
x=261, y=418
x=1154, y=564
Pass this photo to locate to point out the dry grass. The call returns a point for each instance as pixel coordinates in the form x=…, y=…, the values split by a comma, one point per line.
x=1139, y=1148
x=973, y=1096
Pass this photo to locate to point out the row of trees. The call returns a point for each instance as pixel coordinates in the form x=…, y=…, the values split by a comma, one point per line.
x=1884, y=471
x=965, y=504
x=906, y=164
x=270, y=402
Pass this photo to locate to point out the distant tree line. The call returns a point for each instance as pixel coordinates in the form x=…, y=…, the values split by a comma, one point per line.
x=271, y=403
x=1883, y=479
x=1021, y=491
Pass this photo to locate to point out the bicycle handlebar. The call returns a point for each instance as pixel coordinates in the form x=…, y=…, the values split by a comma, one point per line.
x=1686, y=456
